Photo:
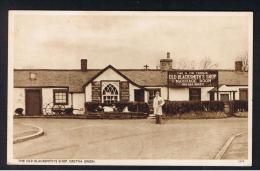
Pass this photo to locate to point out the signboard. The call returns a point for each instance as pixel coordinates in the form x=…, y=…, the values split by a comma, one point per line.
x=96, y=91
x=193, y=78
x=124, y=91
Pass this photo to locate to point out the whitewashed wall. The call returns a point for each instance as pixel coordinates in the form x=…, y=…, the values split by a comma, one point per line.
x=178, y=94
x=175, y=94
x=18, y=99
x=182, y=94
x=47, y=97
x=204, y=93
x=78, y=100
x=146, y=96
x=132, y=89
x=228, y=88
x=78, y=103
x=109, y=75
x=88, y=93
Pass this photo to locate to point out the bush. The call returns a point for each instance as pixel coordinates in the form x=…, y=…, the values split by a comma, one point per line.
x=240, y=105
x=68, y=111
x=174, y=107
x=19, y=111
x=132, y=106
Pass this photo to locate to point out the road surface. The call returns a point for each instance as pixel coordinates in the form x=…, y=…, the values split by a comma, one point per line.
x=128, y=139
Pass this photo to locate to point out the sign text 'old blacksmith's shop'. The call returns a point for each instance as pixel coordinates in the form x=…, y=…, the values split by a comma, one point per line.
x=193, y=78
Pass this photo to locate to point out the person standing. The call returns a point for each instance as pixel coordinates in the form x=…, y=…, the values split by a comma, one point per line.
x=158, y=102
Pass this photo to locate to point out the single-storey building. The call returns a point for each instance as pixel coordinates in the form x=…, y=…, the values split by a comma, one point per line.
x=34, y=89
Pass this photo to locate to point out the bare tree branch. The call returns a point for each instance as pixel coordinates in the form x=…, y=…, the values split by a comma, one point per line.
x=205, y=63
x=244, y=58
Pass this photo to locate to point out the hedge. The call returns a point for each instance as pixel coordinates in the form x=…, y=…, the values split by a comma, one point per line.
x=132, y=106
x=239, y=105
x=174, y=107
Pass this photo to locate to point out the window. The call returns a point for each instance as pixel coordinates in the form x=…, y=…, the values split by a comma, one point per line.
x=211, y=96
x=195, y=94
x=110, y=94
x=139, y=95
x=224, y=97
x=60, y=96
x=32, y=76
x=243, y=94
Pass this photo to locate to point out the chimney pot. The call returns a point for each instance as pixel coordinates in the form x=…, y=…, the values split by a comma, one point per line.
x=84, y=64
x=168, y=55
x=239, y=66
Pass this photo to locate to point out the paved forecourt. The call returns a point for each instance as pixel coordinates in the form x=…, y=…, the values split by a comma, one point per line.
x=128, y=139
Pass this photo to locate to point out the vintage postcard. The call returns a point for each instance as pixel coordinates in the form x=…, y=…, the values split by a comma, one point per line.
x=130, y=88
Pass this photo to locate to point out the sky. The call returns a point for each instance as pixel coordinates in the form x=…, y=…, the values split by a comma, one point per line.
x=55, y=40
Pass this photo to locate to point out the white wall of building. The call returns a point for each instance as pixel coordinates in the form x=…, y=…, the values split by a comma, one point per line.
x=175, y=94
x=178, y=94
x=205, y=93
x=230, y=88
x=18, y=98
x=132, y=89
x=108, y=75
x=47, y=97
x=146, y=96
x=78, y=103
x=182, y=94
x=88, y=93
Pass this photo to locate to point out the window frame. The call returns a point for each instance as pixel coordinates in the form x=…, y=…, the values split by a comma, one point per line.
x=243, y=90
x=104, y=84
x=224, y=94
x=190, y=96
x=60, y=91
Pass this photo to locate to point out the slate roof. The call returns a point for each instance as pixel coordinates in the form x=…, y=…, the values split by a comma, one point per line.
x=75, y=79
x=231, y=77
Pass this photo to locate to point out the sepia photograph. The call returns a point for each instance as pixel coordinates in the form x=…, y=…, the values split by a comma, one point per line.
x=130, y=88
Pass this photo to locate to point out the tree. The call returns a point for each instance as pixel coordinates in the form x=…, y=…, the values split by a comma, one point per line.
x=205, y=63
x=244, y=58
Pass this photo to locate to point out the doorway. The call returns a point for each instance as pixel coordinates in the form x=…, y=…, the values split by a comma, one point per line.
x=139, y=95
x=33, y=102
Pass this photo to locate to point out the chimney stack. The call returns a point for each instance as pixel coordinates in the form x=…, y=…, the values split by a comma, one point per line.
x=166, y=64
x=84, y=64
x=239, y=66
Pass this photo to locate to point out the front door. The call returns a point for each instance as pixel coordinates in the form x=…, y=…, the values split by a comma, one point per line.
x=139, y=95
x=152, y=93
x=33, y=102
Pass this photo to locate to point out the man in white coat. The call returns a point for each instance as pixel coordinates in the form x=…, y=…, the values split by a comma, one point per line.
x=158, y=102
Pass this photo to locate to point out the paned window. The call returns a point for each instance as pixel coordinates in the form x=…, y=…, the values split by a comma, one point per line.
x=60, y=96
